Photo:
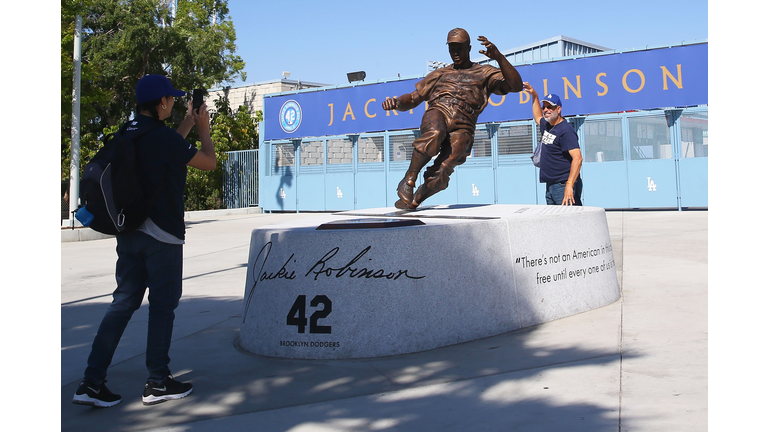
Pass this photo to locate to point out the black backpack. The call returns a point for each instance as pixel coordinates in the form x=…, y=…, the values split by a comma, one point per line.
x=112, y=200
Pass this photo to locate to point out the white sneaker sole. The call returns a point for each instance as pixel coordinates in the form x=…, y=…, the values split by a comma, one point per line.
x=152, y=400
x=84, y=399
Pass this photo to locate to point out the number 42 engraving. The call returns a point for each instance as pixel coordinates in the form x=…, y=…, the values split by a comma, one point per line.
x=296, y=316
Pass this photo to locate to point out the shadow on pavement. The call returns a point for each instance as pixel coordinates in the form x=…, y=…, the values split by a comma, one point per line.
x=510, y=377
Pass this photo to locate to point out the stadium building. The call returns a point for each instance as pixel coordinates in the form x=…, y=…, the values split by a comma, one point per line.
x=641, y=116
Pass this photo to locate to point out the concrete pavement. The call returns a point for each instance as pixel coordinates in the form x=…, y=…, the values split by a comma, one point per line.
x=639, y=364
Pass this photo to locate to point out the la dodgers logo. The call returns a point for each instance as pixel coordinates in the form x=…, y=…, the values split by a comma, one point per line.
x=290, y=116
x=547, y=138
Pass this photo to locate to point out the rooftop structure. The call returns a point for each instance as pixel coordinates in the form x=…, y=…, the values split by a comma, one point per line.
x=558, y=46
x=251, y=95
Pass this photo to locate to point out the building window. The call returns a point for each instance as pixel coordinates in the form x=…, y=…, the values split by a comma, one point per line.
x=649, y=138
x=311, y=153
x=283, y=155
x=370, y=149
x=695, y=130
x=602, y=140
x=482, y=144
x=339, y=151
x=401, y=147
x=513, y=140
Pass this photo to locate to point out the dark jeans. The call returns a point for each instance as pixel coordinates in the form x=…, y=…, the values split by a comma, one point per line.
x=142, y=263
x=556, y=192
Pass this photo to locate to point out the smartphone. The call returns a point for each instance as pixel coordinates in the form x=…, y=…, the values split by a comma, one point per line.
x=197, y=99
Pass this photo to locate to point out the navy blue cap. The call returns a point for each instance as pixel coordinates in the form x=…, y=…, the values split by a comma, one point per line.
x=153, y=87
x=552, y=99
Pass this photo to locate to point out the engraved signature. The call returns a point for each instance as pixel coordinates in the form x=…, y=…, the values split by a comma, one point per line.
x=354, y=272
x=320, y=268
x=261, y=275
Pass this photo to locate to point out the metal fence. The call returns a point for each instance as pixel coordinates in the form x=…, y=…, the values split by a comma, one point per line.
x=241, y=179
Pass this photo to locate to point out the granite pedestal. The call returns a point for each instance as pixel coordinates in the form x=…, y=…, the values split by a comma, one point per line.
x=378, y=282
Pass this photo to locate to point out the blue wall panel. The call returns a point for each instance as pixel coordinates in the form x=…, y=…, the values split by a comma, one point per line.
x=516, y=184
x=282, y=190
x=266, y=199
x=694, y=182
x=652, y=183
x=310, y=191
x=605, y=184
x=475, y=184
x=371, y=190
x=339, y=191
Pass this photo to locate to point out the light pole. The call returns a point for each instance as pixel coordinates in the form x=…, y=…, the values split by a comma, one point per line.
x=74, y=159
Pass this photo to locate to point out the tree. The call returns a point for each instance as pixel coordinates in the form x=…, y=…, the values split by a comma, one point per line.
x=230, y=131
x=122, y=40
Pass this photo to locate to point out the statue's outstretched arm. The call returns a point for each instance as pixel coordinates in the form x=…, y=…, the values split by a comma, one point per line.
x=513, y=81
x=405, y=102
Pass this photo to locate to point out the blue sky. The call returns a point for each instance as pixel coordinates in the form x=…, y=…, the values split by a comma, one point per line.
x=320, y=41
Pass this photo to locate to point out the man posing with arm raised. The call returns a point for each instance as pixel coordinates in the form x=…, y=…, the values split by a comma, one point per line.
x=456, y=95
x=560, y=155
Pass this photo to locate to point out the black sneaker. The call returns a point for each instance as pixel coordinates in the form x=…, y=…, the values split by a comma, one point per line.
x=155, y=393
x=95, y=395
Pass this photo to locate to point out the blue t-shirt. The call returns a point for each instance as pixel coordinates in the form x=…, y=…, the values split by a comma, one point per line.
x=162, y=150
x=557, y=141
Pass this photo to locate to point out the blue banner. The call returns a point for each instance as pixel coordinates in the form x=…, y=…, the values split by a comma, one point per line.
x=665, y=77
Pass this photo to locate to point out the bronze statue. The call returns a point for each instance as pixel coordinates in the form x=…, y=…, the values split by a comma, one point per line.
x=456, y=95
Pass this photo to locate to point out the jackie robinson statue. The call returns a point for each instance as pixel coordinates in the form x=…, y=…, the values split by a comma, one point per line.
x=456, y=95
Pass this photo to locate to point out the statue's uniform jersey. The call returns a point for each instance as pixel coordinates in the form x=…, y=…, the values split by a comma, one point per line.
x=447, y=89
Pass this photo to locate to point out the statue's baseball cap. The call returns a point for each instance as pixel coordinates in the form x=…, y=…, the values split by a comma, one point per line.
x=153, y=87
x=552, y=99
x=458, y=35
